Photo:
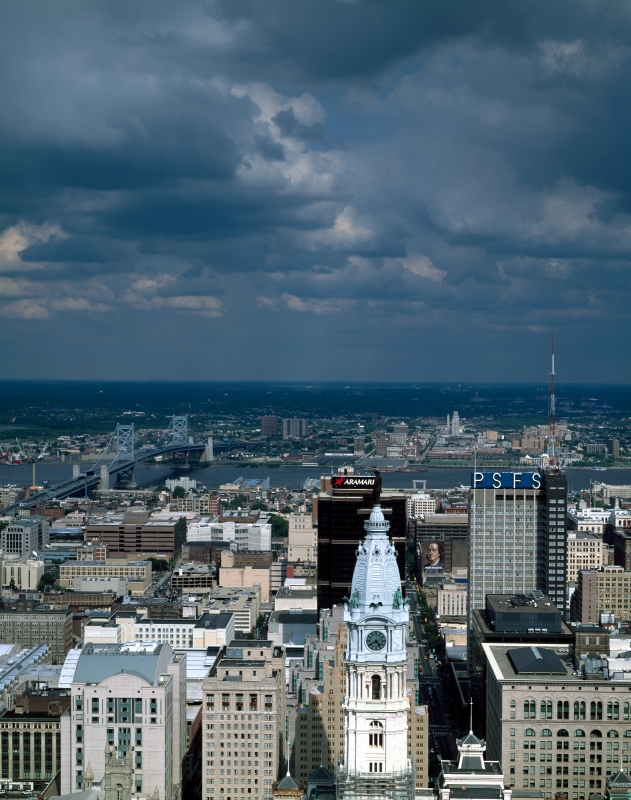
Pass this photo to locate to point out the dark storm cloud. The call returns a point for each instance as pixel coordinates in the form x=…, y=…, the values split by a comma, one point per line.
x=280, y=172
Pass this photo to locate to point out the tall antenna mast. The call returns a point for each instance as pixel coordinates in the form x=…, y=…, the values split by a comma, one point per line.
x=554, y=466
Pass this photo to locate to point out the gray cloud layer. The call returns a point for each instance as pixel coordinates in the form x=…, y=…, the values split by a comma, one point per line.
x=345, y=190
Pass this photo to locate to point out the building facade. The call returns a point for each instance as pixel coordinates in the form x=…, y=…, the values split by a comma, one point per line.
x=243, y=723
x=584, y=551
x=553, y=729
x=341, y=515
x=607, y=590
x=517, y=539
x=129, y=699
x=137, y=573
x=25, y=536
x=29, y=627
x=376, y=757
x=295, y=428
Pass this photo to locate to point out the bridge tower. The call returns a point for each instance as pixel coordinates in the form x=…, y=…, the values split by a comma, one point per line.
x=125, y=444
x=180, y=429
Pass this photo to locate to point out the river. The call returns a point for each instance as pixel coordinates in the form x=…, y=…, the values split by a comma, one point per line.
x=289, y=477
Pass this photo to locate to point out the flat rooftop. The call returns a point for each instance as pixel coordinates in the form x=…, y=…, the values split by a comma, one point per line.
x=528, y=662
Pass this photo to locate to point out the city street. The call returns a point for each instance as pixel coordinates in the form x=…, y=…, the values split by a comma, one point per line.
x=432, y=692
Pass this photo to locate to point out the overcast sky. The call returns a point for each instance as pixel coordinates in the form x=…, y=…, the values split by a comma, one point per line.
x=315, y=189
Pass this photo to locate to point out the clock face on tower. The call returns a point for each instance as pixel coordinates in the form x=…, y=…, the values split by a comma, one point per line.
x=376, y=640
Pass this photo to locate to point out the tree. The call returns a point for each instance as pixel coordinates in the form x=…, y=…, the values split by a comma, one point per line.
x=259, y=506
x=178, y=492
x=280, y=526
x=286, y=510
x=238, y=501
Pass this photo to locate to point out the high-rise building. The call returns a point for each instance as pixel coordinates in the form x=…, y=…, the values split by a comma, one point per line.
x=269, y=426
x=517, y=535
x=376, y=762
x=613, y=447
x=359, y=445
x=23, y=536
x=294, y=428
x=455, y=424
x=244, y=722
x=400, y=433
x=382, y=440
x=341, y=515
x=128, y=700
x=420, y=504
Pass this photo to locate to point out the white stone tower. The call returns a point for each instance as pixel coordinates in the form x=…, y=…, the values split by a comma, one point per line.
x=376, y=763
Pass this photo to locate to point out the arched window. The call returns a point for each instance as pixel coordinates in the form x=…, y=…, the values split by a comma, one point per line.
x=579, y=732
x=562, y=732
x=375, y=682
x=579, y=710
x=546, y=709
x=613, y=710
x=563, y=709
x=375, y=738
x=626, y=710
x=546, y=732
x=529, y=732
x=596, y=735
x=612, y=734
x=595, y=710
x=530, y=708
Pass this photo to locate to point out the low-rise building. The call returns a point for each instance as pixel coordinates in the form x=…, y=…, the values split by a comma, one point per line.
x=210, y=630
x=584, y=551
x=244, y=603
x=293, y=625
x=135, y=532
x=29, y=626
x=296, y=597
x=247, y=533
x=30, y=742
x=605, y=590
x=22, y=574
x=302, y=541
x=451, y=599
x=244, y=577
x=137, y=573
x=243, y=715
x=194, y=577
x=203, y=504
x=419, y=504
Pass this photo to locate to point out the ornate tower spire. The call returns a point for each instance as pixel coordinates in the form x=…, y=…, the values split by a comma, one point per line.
x=376, y=761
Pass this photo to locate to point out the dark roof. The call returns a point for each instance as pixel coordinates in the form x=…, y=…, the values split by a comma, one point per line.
x=288, y=783
x=297, y=617
x=620, y=779
x=221, y=620
x=321, y=774
x=471, y=738
x=476, y=792
x=535, y=660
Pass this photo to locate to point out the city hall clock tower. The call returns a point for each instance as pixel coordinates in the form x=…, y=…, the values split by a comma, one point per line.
x=376, y=763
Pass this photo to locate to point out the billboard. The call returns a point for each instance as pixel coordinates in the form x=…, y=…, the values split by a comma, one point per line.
x=433, y=557
x=352, y=482
x=506, y=480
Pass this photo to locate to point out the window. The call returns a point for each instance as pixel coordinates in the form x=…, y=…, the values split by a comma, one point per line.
x=95, y=705
x=253, y=702
x=268, y=702
x=375, y=738
x=375, y=682
x=239, y=702
x=579, y=710
x=529, y=732
x=563, y=709
x=626, y=709
x=579, y=732
x=596, y=710
x=613, y=710
x=225, y=702
x=210, y=702
x=512, y=709
x=546, y=709
x=529, y=709
x=546, y=732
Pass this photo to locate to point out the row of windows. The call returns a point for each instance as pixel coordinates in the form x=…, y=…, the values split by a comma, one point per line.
x=580, y=710
x=239, y=702
x=578, y=733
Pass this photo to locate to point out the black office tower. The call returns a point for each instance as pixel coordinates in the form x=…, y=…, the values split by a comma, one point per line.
x=552, y=539
x=342, y=512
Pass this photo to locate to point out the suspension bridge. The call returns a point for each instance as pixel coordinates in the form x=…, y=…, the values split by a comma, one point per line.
x=174, y=442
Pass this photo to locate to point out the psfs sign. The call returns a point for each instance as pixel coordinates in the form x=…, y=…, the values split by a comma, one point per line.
x=506, y=480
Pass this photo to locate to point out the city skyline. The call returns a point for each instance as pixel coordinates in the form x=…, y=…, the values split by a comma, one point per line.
x=363, y=191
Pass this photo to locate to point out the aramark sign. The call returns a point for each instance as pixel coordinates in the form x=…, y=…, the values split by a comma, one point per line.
x=506, y=480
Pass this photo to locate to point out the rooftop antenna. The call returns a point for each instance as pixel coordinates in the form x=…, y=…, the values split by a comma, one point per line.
x=471, y=715
x=553, y=462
